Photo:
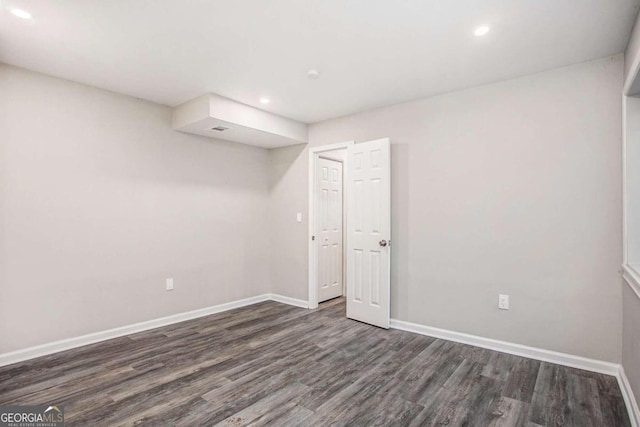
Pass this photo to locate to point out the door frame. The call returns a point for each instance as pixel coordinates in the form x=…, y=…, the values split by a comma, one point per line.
x=314, y=153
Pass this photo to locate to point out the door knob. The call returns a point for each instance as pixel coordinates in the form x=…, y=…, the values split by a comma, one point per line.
x=383, y=243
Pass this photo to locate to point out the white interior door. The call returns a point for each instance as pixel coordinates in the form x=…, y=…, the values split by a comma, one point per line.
x=369, y=232
x=329, y=228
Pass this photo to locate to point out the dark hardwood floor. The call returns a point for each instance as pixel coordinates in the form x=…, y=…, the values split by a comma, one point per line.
x=275, y=364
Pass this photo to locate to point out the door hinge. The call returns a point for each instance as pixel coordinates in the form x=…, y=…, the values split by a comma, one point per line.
x=313, y=237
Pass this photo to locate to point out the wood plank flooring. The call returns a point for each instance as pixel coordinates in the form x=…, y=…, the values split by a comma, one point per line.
x=275, y=364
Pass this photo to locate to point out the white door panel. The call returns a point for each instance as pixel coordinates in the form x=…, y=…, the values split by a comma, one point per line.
x=369, y=232
x=329, y=228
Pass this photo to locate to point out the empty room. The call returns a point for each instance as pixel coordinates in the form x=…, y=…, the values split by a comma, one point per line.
x=320, y=213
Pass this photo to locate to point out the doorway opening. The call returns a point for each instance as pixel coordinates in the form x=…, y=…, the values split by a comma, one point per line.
x=327, y=217
x=329, y=220
x=350, y=228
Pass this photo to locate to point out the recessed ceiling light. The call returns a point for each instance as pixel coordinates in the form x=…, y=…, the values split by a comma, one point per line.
x=481, y=30
x=22, y=14
x=265, y=100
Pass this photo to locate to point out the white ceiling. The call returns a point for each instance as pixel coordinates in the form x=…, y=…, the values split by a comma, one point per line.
x=370, y=53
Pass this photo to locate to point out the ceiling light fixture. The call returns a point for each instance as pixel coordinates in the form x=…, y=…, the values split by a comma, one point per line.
x=22, y=14
x=265, y=100
x=481, y=30
x=313, y=74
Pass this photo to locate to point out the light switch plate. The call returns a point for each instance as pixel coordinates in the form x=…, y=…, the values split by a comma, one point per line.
x=170, y=284
x=503, y=302
x=299, y=217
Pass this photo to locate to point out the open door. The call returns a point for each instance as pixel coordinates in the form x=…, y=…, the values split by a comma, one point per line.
x=369, y=232
x=328, y=220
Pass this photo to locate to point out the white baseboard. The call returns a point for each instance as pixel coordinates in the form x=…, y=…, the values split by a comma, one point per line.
x=511, y=348
x=629, y=399
x=291, y=301
x=491, y=344
x=558, y=358
x=67, y=344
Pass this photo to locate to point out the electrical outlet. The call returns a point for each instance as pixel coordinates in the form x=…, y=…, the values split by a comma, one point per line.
x=169, y=284
x=299, y=217
x=503, y=302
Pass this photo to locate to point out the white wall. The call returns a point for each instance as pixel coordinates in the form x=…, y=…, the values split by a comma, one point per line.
x=631, y=307
x=100, y=201
x=513, y=187
x=286, y=165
